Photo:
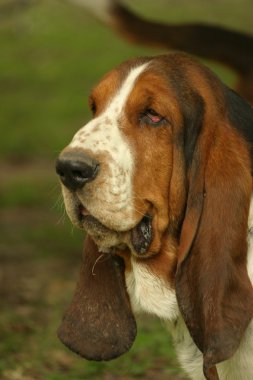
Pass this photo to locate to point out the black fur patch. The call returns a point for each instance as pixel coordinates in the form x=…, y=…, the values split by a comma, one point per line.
x=192, y=107
x=240, y=114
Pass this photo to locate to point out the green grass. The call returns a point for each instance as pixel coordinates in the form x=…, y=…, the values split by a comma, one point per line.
x=48, y=66
x=52, y=54
x=44, y=356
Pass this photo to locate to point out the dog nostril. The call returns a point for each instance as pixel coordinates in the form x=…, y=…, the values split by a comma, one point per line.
x=80, y=174
x=85, y=174
x=75, y=171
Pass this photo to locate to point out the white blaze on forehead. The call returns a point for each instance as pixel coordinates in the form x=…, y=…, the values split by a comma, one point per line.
x=103, y=132
x=121, y=97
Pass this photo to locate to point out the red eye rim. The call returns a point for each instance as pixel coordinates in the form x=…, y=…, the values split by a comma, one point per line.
x=154, y=117
x=151, y=117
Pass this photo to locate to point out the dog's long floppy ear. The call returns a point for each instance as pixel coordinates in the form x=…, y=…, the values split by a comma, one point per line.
x=213, y=289
x=99, y=325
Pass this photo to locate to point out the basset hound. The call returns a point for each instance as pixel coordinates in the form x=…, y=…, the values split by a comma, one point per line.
x=161, y=180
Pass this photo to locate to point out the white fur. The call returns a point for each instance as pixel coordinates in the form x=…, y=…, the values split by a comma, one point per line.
x=239, y=367
x=151, y=294
x=109, y=198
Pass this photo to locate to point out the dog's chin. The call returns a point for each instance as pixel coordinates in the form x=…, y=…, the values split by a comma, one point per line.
x=138, y=239
x=104, y=237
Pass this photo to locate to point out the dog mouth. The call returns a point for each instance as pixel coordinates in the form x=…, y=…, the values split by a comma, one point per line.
x=142, y=235
x=139, y=238
x=89, y=222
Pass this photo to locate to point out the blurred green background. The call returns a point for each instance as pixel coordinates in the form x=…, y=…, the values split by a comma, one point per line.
x=51, y=54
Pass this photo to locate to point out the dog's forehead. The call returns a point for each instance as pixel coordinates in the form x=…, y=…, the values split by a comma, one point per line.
x=113, y=82
x=108, y=84
x=173, y=69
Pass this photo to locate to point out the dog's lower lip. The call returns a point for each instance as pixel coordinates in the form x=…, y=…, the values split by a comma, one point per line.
x=90, y=223
x=84, y=211
x=142, y=234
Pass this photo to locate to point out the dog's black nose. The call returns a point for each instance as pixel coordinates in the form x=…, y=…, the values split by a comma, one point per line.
x=76, y=169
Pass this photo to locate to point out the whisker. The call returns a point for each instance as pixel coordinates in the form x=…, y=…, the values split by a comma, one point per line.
x=72, y=229
x=62, y=217
x=59, y=205
x=97, y=260
x=139, y=212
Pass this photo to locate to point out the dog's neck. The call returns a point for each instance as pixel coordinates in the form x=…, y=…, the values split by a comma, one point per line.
x=148, y=293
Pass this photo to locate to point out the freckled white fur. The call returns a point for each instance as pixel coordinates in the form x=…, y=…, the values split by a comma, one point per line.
x=151, y=294
x=110, y=197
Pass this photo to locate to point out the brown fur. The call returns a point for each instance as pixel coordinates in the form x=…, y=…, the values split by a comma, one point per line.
x=192, y=174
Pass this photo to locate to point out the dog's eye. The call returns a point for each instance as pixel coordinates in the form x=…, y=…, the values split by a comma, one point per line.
x=151, y=117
